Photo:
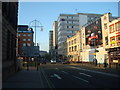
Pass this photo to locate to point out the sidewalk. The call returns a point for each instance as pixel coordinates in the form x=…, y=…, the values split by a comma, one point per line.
x=26, y=79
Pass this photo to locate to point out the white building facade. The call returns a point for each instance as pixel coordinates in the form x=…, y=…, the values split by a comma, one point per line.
x=68, y=24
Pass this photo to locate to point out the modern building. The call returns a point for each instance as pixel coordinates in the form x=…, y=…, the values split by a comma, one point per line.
x=25, y=37
x=9, y=36
x=55, y=46
x=51, y=43
x=55, y=35
x=68, y=24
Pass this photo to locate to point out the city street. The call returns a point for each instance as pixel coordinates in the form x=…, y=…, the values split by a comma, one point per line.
x=51, y=45
x=64, y=76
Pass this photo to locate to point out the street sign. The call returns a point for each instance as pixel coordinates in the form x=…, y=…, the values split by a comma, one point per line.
x=30, y=51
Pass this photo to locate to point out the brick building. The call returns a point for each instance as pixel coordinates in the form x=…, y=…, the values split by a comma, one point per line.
x=25, y=37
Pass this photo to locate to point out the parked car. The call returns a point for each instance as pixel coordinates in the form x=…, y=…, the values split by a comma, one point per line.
x=53, y=61
x=65, y=62
x=43, y=62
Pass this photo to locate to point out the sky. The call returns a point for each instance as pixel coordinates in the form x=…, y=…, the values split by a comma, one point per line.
x=47, y=12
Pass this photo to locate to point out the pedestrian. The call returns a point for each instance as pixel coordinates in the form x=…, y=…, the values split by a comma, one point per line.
x=95, y=62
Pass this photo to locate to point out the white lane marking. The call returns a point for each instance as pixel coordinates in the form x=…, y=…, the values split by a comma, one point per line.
x=57, y=76
x=80, y=79
x=65, y=72
x=85, y=74
x=113, y=75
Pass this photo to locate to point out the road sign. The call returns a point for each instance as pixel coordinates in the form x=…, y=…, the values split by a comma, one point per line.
x=30, y=51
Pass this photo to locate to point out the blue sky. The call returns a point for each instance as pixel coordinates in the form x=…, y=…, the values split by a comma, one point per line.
x=48, y=12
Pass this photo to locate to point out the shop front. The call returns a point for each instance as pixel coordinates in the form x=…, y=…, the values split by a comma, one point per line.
x=114, y=57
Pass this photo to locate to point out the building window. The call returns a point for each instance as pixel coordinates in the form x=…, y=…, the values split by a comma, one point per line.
x=72, y=42
x=18, y=39
x=72, y=26
x=29, y=34
x=69, y=49
x=105, y=26
x=75, y=48
x=24, y=44
x=24, y=39
x=106, y=40
x=118, y=39
x=24, y=34
x=112, y=41
x=67, y=26
x=83, y=44
x=18, y=34
x=117, y=26
x=72, y=22
x=72, y=17
x=67, y=21
x=69, y=43
x=29, y=39
x=111, y=28
x=75, y=41
x=105, y=17
x=29, y=44
x=72, y=48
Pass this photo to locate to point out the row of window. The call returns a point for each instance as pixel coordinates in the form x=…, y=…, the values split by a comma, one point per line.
x=73, y=48
x=24, y=44
x=71, y=17
x=115, y=40
x=24, y=35
x=70, y=26
x=24, y=39
x=114, y=27
x=72, y=42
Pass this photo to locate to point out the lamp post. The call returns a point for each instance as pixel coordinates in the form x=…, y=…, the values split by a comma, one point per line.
x=36, y=24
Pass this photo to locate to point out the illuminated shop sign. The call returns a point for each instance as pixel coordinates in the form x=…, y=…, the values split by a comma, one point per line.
x=113, y=42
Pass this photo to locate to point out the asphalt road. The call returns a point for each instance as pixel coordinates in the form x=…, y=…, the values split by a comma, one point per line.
x=68, y=76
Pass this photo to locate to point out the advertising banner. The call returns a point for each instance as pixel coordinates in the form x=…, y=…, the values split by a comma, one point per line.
x=93, y=33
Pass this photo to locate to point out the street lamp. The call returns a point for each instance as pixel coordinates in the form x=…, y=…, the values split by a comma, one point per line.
x=36, y=24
